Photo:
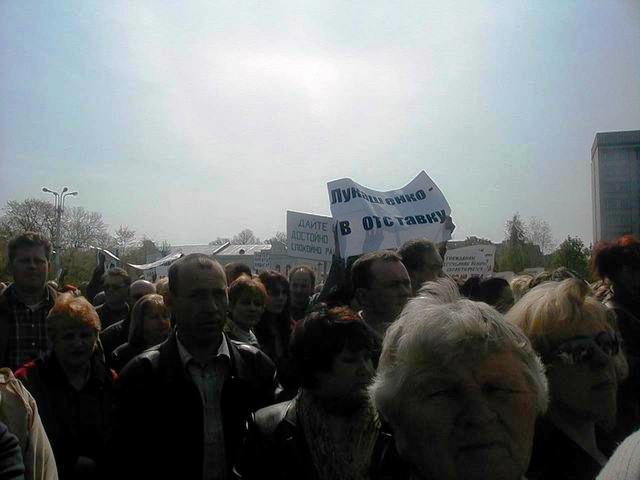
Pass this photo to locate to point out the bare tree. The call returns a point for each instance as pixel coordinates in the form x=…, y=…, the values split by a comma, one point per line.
x=124, y=238
x=245, y=237
x=539, y=233
x=82, y=229
x=219, y=241
x=278, y=237
x=28, y=215
x=165, y=248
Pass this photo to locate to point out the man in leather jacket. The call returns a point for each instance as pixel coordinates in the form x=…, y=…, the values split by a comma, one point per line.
x=182, y=405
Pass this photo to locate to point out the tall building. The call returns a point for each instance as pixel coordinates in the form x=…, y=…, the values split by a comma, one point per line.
x=615, y=184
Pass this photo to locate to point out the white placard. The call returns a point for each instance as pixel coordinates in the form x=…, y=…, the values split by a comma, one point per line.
x=309, y=236
x=474, y=261
x=370, y=220
x=262, y=261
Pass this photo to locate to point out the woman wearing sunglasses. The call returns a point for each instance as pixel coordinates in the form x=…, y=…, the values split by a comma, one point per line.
x=573, y=335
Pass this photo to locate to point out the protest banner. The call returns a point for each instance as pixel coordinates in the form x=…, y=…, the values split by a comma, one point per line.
x=262, y=261
x=309, y=236
x=474, y=261
x=172, y=257
x=369, y=220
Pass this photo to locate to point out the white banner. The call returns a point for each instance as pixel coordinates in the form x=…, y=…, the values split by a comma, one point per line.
x=370, y=220
x=262, y=261
x=309, y=236
x=110, y=260
x=474, y=261
x=165, y=260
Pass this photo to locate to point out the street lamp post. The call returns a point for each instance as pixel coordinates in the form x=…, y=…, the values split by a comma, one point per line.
x=59, y=207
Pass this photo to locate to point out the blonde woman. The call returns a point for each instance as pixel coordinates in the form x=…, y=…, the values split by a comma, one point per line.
x=578, y=344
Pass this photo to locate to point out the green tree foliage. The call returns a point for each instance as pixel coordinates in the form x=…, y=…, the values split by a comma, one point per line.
x=513, y=256
x=573, y=255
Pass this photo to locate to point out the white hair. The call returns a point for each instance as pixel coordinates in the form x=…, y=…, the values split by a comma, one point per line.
x=439, y=328
x=444, y=290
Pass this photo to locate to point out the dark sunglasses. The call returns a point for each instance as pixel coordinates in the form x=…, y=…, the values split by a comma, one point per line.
x=581, y=349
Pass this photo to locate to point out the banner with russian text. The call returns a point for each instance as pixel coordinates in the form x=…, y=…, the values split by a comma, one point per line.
x=309, y=236
x=262, y=261
x=369, y=220
x=474, y=261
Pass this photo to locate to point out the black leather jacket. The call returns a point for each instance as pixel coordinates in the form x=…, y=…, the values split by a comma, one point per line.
x=158, y=429
x=276, y=448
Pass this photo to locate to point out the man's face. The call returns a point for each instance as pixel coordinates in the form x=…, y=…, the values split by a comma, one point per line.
x=301, y=288
x=473, y=420
x=30, y=269
x=116, y=291
x=430, y=269
x=389, y=289
x=200, y=305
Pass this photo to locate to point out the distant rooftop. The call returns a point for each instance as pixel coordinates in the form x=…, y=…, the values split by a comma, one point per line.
x=631, y=137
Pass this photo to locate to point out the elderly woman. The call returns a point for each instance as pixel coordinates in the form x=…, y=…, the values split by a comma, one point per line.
x=247, y=297
x=572, y=333
x=73, y=389
x=150, y=326
x=329, y=430
x=460, y=387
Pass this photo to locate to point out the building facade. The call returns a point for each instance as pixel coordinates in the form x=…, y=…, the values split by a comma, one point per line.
x=615, y=184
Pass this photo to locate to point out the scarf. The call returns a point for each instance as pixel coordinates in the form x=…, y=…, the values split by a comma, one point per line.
x=341, y=447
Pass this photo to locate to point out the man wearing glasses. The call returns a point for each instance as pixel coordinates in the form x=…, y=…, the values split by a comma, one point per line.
x=116, y=292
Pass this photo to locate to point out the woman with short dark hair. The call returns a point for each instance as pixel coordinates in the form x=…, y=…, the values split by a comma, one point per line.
x=329, y=430
x=247, y=297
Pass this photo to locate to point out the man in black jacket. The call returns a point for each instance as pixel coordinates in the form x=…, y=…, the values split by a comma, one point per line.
x=183, y=405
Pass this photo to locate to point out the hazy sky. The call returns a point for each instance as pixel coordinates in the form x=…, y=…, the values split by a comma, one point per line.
x=192, y=120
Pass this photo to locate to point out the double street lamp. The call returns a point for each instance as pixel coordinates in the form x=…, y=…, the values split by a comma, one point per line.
x=59, y=207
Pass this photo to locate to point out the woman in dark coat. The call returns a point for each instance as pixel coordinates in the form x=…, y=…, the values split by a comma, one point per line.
x=73, y=388
x=329, y=430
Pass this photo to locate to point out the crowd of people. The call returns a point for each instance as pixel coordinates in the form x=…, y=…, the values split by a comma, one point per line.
x=388, y=370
